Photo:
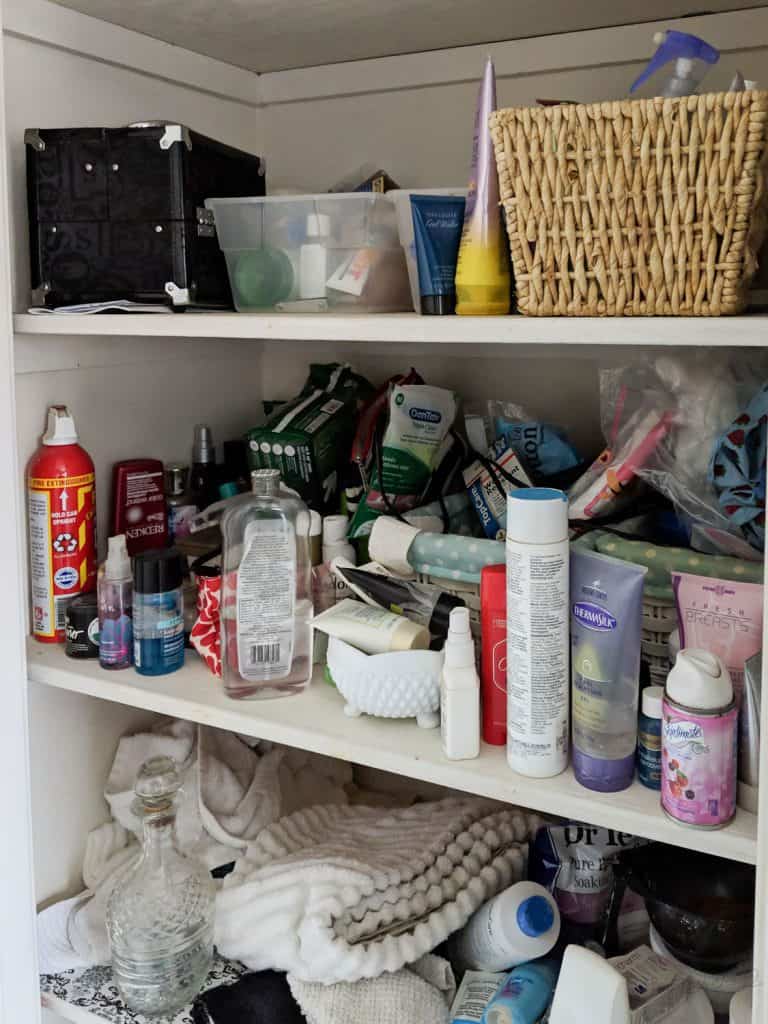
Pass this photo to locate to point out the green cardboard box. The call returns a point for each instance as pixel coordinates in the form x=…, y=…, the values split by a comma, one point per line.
x=309, y=438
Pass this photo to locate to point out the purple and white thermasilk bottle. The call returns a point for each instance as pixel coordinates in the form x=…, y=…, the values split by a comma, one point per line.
x=606, y=627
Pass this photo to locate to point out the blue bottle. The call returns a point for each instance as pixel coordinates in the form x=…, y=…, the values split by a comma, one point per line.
x=158, y=614
x=525, y=994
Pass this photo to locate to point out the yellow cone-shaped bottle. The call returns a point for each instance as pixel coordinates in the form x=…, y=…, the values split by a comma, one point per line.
x=483, y=286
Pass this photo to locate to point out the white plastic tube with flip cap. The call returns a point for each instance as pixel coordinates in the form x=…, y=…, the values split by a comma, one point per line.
x=538, y=686
x=460, y=692
x=589, y=991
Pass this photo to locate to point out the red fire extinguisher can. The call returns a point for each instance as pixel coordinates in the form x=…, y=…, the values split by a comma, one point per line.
x=61, y=518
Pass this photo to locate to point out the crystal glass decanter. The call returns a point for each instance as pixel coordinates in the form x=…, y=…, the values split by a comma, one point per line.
x=160, y=916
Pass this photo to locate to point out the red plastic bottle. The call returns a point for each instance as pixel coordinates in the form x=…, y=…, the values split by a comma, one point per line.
x=61, y=518
x=493, y=675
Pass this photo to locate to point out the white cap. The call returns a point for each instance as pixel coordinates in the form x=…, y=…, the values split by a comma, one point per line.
x=61, y=427
x=315, y=523
x=390, y=542
x=318, y=225
x=699, y=680
x=652, y=698
x=608, y=995
x=741, y=1007
x=118, y=563
x=537, y=515
x=459, y=645
x=673, y=643
x=335, y=529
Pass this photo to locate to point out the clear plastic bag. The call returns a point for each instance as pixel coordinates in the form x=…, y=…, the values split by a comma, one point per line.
x=544, y=447
x=662, y=417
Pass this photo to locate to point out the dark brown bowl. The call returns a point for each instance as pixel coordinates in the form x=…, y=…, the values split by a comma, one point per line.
x=703, y=907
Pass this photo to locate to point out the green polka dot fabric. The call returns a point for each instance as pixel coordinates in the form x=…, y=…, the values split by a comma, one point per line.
x=661, y=561
x=451, y=557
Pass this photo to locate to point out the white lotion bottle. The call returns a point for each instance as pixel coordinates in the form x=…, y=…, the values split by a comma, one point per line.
x=538, y=682
x=520, y=924
x=460, y=691
x=313, y=257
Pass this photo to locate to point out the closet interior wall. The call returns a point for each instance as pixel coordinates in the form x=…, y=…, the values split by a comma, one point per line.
x=137, y=396
x=130, y=396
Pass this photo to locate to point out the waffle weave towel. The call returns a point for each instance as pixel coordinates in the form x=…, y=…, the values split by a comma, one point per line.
x=338, y=893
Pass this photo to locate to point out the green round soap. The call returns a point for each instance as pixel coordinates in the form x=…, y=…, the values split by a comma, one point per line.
x=262, y=278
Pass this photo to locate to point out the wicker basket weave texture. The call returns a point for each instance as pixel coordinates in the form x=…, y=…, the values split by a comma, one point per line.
x=634, y=207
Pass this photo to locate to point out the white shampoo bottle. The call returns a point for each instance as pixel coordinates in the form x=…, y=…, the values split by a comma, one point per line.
x=460, y=691
x=537, y=632
x=519, y=924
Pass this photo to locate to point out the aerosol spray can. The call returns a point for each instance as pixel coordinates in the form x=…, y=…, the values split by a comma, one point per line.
x=61, y=519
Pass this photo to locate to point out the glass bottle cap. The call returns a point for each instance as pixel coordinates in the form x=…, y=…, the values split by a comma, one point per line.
x=157, y=783
x=265, y=481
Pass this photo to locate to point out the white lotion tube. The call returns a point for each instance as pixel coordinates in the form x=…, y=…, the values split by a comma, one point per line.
x=372, y=630
x=460, y=691
x=537, y=632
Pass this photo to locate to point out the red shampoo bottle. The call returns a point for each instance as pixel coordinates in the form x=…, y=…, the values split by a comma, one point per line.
x=493, y=676
x=138, y=504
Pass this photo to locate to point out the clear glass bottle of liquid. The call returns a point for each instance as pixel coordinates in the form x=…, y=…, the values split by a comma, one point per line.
x=160, y=915
x=266, y=592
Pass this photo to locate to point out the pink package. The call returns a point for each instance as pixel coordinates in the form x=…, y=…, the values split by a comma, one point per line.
x=723, y=617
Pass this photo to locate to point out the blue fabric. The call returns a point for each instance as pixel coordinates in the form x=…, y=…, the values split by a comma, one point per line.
x=737, y=469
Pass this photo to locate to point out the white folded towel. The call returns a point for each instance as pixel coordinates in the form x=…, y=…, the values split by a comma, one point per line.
x=230, y=792
x=342, y=893
x=419, y=994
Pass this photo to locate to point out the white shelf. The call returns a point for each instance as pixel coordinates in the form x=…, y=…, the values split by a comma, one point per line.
x=315, y=721
x=735, y=331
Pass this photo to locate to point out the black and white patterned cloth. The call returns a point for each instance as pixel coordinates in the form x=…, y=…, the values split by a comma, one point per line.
x=93, y=992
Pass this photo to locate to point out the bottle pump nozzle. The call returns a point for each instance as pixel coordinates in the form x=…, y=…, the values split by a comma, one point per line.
x=118, y=563
x=686, y=50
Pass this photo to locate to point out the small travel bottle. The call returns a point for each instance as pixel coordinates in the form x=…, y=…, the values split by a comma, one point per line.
x=649, y=737
x=158, y=612
x=181, y=508
x=266, y=593
x=115, y=597
x=460, y=692
x=203, y=478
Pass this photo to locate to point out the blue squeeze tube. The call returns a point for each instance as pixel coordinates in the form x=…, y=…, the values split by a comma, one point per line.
x=525, y=994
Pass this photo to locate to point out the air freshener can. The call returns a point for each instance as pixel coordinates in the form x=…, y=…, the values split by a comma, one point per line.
x=698, y=764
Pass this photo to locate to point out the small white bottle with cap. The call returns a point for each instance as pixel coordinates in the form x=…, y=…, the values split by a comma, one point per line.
x=335, y=541
x=537, y=632
x=313, y=257
x=519, y=924
x=460, y=691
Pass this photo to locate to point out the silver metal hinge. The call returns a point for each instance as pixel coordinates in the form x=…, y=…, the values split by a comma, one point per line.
x=32, y=138
x=175, y=133
x=179, y=296
x=206, y=225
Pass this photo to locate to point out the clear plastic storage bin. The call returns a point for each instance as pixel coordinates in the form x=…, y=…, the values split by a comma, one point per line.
x=337, y=252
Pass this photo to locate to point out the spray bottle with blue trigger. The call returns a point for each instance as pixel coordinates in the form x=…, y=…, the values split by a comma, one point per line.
x=691, y=56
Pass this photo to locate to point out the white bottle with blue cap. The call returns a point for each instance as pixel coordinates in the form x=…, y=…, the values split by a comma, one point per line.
x=538, y=648
x=520, y=924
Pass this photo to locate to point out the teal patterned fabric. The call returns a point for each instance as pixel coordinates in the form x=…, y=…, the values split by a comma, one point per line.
x=661, y=561
x=451, y=557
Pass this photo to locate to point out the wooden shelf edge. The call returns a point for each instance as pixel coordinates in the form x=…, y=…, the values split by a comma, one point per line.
x=315, y=721
x=738, y=331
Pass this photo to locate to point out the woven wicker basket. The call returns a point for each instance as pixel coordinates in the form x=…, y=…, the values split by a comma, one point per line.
x=635, y=207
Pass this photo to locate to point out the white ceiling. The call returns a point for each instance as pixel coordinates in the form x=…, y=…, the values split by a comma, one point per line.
x=274, y=35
